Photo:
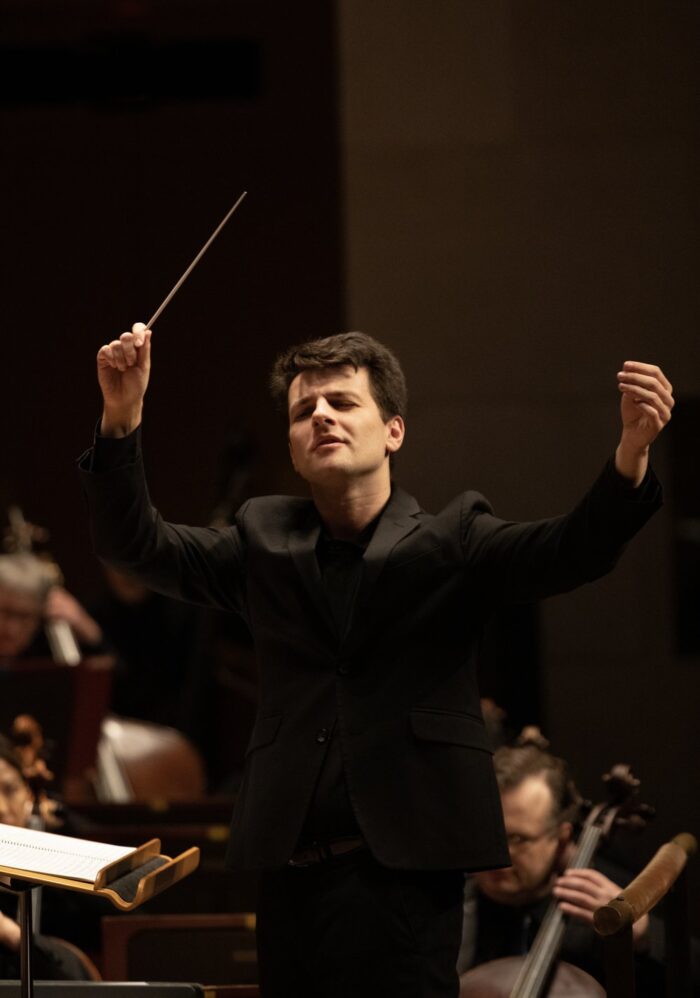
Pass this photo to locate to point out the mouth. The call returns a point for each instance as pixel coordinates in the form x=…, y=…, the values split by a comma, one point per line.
x=324, y=442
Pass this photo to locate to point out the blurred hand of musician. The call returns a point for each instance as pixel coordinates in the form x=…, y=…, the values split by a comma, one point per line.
x=123, y=369
x=580, y=892
x=9, y=933
x=60, y=605
x=645, y=408
x=16, y=801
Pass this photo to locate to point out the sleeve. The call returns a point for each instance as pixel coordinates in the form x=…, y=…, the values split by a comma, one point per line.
x=202, y=565
x=520, y=562
x=51, y=960
x=111, y=452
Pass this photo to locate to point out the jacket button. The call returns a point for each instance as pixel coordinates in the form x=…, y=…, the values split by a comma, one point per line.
x=343, y=669
x=322, y=736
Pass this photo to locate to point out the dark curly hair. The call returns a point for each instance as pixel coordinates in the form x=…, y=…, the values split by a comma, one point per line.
x=386, y=379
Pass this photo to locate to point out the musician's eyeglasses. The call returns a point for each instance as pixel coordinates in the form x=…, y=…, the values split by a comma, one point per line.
x=516, y=841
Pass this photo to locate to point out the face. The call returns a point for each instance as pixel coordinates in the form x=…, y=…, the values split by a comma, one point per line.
x=15, y=797
x=536, y=846
x=336, y=431
x=20, y=616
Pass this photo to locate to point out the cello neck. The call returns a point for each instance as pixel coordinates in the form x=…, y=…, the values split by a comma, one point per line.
x=538, y=963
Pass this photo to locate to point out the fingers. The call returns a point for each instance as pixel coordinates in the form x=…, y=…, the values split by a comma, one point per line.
x=647, y=387
x=130, y=350
x=57, y=601
x=646, y=383
x=636, y=377
x=580, y=914
x=589, y=880
x=581, y=892
x=632, y=367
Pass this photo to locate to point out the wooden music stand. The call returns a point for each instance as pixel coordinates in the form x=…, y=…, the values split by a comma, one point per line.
x=127, y=882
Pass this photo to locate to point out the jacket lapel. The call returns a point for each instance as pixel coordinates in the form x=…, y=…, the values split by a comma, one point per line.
x=398, y=520
x=302, y=548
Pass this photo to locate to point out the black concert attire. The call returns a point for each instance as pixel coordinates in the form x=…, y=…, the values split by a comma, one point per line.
x=52, y=961
x=368, y=695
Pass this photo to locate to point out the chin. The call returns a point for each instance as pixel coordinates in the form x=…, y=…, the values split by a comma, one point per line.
x=501, y=886
x=325, y=471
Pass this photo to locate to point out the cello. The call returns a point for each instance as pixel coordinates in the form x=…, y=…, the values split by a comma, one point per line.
x=538, y=974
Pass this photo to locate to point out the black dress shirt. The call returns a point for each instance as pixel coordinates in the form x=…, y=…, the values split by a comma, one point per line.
x=330, y=815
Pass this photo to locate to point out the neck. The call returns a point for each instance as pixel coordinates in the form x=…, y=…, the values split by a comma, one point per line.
x=347, y=509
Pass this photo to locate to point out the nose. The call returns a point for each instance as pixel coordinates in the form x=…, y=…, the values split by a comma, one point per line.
x=322, y=414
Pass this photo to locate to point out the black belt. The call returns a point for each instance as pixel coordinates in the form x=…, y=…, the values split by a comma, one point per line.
x=321, y=852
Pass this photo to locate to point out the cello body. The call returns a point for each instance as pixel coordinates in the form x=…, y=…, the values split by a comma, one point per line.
x=497, y=979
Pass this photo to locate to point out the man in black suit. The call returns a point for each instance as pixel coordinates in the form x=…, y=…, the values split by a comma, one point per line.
x=368, y=786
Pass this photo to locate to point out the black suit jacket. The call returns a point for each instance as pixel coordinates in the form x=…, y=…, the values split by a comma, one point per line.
x=400, y=683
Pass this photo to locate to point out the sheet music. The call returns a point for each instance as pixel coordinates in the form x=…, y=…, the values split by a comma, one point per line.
x=56, y=855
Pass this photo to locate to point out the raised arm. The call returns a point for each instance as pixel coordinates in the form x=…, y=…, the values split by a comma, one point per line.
x=123, y=370
x=199, y=564
x=524, y=561
x=647, y=401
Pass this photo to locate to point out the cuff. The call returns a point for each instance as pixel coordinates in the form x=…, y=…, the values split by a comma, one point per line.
x=109, y=453
x=648, y=490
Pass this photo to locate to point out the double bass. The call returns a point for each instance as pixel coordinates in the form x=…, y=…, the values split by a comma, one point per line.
x=539, y=974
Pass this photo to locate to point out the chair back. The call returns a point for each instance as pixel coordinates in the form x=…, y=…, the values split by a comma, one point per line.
x=208, y=949
x=664, y=875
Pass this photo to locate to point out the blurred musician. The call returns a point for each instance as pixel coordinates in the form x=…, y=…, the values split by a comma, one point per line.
x=30, y=601
x=53, y=960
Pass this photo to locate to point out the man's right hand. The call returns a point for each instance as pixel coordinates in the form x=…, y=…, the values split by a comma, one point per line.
x=123, y=368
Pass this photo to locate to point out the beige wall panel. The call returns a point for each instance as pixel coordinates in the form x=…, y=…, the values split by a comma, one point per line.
x=521, y=215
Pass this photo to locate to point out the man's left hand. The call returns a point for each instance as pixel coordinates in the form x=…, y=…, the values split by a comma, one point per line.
x=60, y=605
x=647, y=401
x=581, y=892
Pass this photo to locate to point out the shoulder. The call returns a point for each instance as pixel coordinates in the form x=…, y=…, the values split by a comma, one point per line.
x=275, y=514
x=446, y=528
x=466, y=503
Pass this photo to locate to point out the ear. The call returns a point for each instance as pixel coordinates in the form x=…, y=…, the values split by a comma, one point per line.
x=291, y=455
x=395, y=431
x=565, y=845
x=565, y=834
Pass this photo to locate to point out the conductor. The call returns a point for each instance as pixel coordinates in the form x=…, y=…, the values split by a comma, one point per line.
x=369, y=787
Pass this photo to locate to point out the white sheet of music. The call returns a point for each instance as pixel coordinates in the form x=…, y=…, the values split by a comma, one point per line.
x=56, y=855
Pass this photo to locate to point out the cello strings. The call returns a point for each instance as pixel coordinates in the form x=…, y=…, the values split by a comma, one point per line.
x=532, y=977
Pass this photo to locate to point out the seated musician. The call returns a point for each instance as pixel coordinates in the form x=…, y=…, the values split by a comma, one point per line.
x=504, y=908
x=28, y=598
x=53, y=960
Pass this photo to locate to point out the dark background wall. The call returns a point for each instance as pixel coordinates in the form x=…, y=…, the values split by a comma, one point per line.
x=521, y=217
x=116, y=166
x=504, y=191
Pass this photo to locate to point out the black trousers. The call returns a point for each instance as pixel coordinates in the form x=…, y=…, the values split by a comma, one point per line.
x=350, y=928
